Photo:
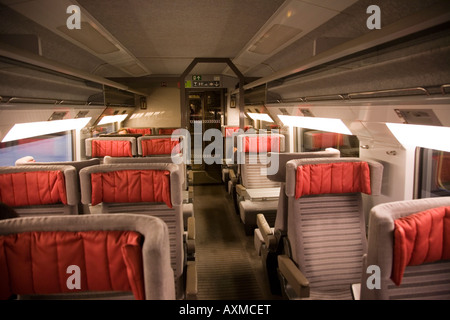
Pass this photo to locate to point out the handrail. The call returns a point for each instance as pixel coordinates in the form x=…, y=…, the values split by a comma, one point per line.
x=36, y=100
x=354, y=95
x=443, y=88
x=324, y=97
x=366, y=93
x=43, y=101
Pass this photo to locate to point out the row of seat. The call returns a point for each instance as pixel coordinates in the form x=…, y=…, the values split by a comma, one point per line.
x=110, y=256
x=131, y=146
x=252, y=190
x=73, y=190
x=135, y=186
x=144, y=131
x=318, y=247
x=245, y=175
x=255, y=182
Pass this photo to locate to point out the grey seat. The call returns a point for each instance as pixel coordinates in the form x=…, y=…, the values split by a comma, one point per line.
x=229, y=165
x=188, y=206
x=268, y=236
x=166, y=148
x=152, y=189
x=160, y=145
x=78, y=165
x=326, y=235
x=409, y=244
x=254, y=161
x=138, y=266
x=111, y=146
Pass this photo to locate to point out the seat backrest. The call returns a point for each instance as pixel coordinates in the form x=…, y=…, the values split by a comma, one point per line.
x=111, y=146
x=165, y=131
x=78, y=165
x=155, y=159
x=142, y=131
x=40, y=190
x=146, y=188
x=165, y=145
x=409, y=241
x=253, y=158
x=326, y=229
x=280, y=177
x=95, y=253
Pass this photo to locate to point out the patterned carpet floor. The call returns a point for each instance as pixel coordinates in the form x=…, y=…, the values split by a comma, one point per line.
x=227, y=265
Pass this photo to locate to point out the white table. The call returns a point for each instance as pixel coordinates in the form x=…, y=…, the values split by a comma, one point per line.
x=259, y=194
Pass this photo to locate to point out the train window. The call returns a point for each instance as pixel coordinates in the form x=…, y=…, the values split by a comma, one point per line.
x=47, y=148
x=314, y=140
x=433, y=172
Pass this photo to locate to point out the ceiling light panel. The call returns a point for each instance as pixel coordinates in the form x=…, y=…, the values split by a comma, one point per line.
x=92, y=36
x=293, y=20
x=112, y=119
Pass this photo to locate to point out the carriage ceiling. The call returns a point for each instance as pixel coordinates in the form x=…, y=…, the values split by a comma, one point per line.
x=149, y=38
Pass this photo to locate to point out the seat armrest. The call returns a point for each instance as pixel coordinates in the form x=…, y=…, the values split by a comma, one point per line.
x=267, y=232
x=232, y=175
x=191, y=228
x=190, y=238
x=241, y=190
x=191, y=281
x=293, y=276
x=356, y=291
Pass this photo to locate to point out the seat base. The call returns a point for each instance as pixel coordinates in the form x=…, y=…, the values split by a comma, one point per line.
x=249, y=209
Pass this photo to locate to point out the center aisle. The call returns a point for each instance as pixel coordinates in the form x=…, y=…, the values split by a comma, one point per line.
x=227, y=265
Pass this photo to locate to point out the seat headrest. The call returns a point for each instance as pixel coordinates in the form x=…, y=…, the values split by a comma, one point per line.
x=159, y=145
x=420, y=238
x=259, y=143
x=332, y=175
x=46, y=184
x=155, y=246
x=176, y=178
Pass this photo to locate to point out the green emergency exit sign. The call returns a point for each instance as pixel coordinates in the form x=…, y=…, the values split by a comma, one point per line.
x=196, y=78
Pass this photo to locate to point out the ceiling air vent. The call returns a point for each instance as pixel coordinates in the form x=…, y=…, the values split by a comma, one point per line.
x=58, y=115
x=418, y=116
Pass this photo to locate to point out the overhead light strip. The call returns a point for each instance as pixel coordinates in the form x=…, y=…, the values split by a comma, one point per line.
x=260, y=116
x=413, y=135
x=112, y=119
x=323, y=124
x=35, y=129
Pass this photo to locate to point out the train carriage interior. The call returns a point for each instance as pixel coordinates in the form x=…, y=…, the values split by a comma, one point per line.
x=266, y=140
